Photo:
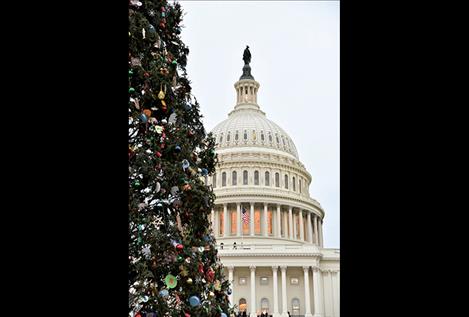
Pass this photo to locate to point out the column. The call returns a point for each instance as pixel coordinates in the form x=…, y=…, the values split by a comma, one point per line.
x=290, y=222
x=217, y=220
x=295, y=227
x=225, y=220
x=230, y=278
x=307, y=296
x=302, y=230
x=283, y=268
x=316, y=239
x=316, y=291
x=238, y=219
x=251, y=220
x=310, y=228
x=275, y=285
x=252, y=304
x=266, y=222
x=279, y=231
x=320, y=232
x=285, y=225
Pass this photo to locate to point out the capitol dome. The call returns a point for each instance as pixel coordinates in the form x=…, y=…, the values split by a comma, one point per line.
x=264, y=220
x=248, y=126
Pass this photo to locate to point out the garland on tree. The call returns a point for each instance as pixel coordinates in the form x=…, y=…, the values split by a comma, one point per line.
x=174, y=269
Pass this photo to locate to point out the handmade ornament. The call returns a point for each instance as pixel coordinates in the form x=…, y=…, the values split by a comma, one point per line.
x=147, y=112
x=143, y=117
x=172, y=118
x=164, y=293
x=185, y=164
x=194, y=301
x=135, y=61
x=170, y=281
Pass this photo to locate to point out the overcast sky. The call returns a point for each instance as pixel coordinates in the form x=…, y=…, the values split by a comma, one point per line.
x=295, y=58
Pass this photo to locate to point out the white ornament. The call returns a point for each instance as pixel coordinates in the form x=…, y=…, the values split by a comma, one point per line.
x=143, y=32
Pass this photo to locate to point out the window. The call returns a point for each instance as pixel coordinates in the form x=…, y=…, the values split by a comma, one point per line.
x=234, y=178
x=265, y=305
x=214, y=181
x=299, y=185
x=254, y=136
x=286, y=181
x=295, y=306
x=221, y=222
x=277, y=180
x=264, y=280
x=206, y=180
x=278, y=141
x=267, y=179
x=270, y=137
x=293, y=184
x=262, y=135
x=256, y=178
x=242, y=281
x=236, y=136
x=294, y=281
x=228, y=137
x=233, y=217
x=245, y=134
x=223, y=179
x=245, y=177
x=242, y=302
x=221, y=138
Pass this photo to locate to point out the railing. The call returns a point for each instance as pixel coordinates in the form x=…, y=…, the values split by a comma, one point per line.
x=264, y=247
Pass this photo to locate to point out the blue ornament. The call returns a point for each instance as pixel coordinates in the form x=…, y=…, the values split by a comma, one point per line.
x=187, y=106
x=223, y=315
x=164, y=293
x=204, y=171
x=177, y=149
x=143, y=117
x=229, y=291
x=194, y=301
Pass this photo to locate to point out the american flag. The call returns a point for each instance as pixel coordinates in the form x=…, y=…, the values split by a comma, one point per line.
x=245, y=216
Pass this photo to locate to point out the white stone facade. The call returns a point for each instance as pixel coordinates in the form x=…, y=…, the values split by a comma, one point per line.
x=275, y=259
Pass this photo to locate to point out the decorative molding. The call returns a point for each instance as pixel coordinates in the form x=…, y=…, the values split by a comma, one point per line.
x=316, y=269
x=283, y=267
x=274, y=268
x=305, y=268
x=231, y=267
x=252, y=267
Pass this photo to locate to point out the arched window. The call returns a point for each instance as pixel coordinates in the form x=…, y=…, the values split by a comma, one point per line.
x=265, y=305
x=245, y=134
x=276, y=136
x=228, y=137
x=277, y=180
x=242, y=305
x=221, y=138
x=293, y=184
x=299, y=185
x=214, y=181
x=295, y=306
x=234, y=178
x=256, y=178
x=262, y=135
x=254, y=136
x=270, y=137
x=236, y=136
x=223, y=179
x=267, y=179
x=245, y=177
x=286, y=181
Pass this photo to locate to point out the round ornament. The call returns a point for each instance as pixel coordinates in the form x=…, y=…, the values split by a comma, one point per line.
x=170, y=281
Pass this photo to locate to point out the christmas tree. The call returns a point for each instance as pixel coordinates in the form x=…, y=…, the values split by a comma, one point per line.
x=174, y=269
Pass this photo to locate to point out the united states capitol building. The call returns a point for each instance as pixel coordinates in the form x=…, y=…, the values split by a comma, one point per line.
x=268, y=227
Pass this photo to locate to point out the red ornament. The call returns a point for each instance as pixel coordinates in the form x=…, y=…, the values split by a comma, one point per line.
x=138, y=315
x=158, y=154
x=187, y=315
x=146, y=74
x=210, y=275
x=201, y=268
x=179, y=246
